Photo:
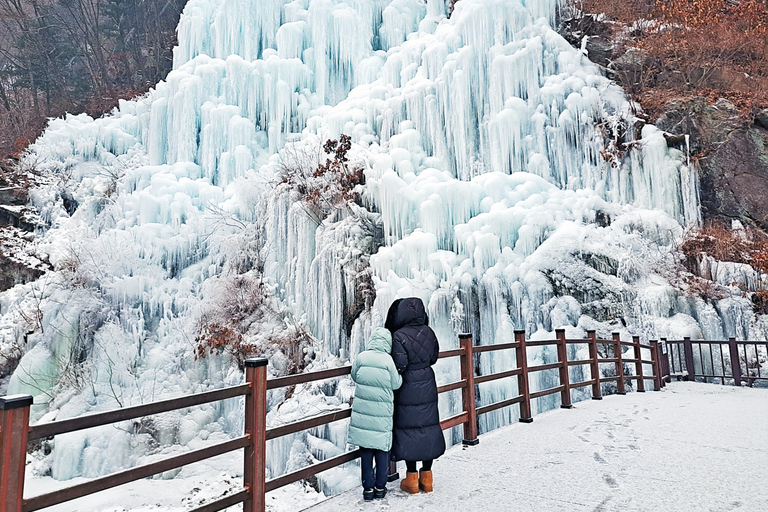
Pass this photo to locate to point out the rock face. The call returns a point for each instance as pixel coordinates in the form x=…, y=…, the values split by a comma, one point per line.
x=18, y=261
x=732, y=151
x=733, y=157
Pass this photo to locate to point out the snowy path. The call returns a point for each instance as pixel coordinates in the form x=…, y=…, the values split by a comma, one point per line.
x=689, y=447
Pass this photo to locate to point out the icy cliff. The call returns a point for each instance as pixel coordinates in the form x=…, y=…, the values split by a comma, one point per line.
x=507, y=183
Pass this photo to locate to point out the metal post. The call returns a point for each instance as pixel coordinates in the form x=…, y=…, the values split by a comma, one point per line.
x=664, y=359
x=735, y=363
x=689, y=364
x=620, y=387
x=522, y=379
x=638, y=364
x=392, y=473
x=14, y=426
x=594, y=365
x=655, y=365
x=468, y=392
x=562, y=356
x=254, y=472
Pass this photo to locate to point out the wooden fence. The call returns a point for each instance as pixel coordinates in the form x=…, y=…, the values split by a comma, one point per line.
x=15, y=431
x=711, y=361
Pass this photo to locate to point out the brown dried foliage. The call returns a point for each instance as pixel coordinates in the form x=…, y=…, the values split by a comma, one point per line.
x=215, y=338
x=711, y=48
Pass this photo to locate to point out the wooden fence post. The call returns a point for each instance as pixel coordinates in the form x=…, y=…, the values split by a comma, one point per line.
x=655, y=365
x=522, y=379
x=468, y=392
x=689, y=364
x=254, y=472
x=620, y=387
x=14, y=426
x=638, y=364
x=562, y=356
x=735, y=363
x=594, y=365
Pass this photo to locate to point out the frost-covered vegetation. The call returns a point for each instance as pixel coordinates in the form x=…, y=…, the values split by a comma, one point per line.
x=306, y=163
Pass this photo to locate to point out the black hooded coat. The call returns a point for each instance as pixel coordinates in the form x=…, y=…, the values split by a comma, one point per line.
x=417, y=433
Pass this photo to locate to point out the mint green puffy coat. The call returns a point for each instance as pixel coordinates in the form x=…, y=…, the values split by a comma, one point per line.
x=376, y=378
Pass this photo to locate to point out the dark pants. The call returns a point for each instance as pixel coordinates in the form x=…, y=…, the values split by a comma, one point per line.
x=367, y=456
x=410, y=465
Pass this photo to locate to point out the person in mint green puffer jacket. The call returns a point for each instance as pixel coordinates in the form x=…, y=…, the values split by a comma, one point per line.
x=371, y=425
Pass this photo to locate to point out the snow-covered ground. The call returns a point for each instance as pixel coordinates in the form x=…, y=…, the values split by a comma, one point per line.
x=690, y=447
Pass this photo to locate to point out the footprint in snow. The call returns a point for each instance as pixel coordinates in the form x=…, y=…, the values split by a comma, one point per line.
x=612, y=483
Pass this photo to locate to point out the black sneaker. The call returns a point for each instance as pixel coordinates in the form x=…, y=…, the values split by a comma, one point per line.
x=379, y=493
x=368, y=494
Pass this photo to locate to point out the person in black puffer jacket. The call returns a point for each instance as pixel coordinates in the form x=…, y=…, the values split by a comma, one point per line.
x=417, y=433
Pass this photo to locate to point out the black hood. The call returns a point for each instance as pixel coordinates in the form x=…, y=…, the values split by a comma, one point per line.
x=404, y=312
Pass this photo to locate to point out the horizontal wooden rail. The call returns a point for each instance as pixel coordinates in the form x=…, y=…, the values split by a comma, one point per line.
x=128, y=413
x=496, y=376
x=451, y=353
x=315, y=421
x=222, y=503
x=541, y=343
x=490, y=348
x=303, y=378
x=450, y=387
x=130, y=475
x=498, y=405
x=454, y=420
x=308, y=471
x=543, y=367
x=545, y=392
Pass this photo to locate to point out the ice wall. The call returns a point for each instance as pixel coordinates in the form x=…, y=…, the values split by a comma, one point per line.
x=507, y=179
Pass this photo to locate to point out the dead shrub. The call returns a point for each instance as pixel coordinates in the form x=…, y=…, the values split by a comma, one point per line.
x=215, y=338
x=323, y=188
x=244, y=297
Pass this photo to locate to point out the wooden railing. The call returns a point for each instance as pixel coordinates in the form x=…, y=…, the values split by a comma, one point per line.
x=15, y=432
x=735, y=361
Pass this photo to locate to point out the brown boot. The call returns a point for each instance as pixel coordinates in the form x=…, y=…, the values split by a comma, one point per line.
x=425, y=480
x=410, y=483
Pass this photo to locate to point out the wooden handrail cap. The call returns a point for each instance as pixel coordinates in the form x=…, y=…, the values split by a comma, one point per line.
x=15, y=401
x=255, y=362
